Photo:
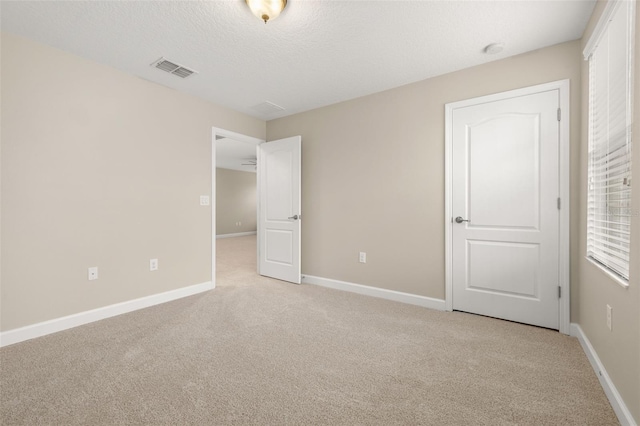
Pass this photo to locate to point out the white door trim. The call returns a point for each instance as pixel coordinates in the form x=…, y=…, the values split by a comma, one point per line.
x=564, y=267
x=216, y=131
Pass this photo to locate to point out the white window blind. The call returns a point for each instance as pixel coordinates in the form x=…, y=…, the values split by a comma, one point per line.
x=610, y=142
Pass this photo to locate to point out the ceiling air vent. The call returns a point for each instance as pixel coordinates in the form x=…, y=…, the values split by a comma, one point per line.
x=173, y=68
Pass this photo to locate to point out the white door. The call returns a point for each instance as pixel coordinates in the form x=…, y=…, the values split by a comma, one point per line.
x=505, y=189
x=279, y=212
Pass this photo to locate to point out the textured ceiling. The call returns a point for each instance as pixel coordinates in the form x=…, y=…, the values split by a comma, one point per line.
x=232, y=154
x=316, y=53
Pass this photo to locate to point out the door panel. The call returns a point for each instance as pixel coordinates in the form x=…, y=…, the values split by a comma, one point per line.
x=505, y=185
x=279, y=242
x=502, y=146
x=518, y=274
x=279, y=180
x=279, y=175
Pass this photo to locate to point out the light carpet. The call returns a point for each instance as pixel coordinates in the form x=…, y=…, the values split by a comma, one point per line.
x=264, y=352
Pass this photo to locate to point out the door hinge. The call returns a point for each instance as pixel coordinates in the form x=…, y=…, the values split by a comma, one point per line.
x=559, y=114
x=559, y=292
x=559, y=203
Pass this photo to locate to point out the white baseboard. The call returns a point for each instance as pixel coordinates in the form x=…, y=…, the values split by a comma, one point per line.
x=52, y=326
x=238, y=234
x=397, y=296
x=624, y=415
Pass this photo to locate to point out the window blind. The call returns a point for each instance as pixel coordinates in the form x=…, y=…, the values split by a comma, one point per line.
x=610, y=142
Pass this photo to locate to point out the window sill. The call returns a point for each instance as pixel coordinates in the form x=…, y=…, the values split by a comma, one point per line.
x=619, y=280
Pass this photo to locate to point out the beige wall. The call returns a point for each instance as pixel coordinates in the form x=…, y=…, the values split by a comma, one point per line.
x=235, y=201
x=99, y=168
x=618, y=349
x=373, y=172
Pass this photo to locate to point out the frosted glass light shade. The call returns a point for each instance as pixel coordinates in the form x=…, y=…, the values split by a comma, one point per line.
x=267, y=10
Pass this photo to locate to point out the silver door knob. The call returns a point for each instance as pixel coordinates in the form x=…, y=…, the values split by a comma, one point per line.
x=294, y=217
x=459, y=219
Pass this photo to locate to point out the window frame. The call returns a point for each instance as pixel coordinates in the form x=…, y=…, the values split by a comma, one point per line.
x=602, y=27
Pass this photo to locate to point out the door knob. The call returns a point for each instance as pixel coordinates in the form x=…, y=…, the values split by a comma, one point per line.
x=294, y=217
x=459, y=219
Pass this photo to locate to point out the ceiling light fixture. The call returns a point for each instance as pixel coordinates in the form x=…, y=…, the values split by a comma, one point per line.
x=267, y=10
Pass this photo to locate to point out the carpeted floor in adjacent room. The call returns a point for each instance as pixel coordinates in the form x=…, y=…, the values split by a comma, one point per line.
x=264, y=352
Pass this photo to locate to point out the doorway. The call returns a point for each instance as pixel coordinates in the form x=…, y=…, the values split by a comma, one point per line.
x=236, y=184
x=507, y=206
x=277, y=206
x=234, y=189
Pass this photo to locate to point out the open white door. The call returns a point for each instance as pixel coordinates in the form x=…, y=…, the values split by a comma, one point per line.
x=279, y=210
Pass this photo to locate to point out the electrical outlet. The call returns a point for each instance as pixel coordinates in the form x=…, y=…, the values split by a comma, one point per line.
x=93, y=273
x=609, y=313
x=153, y=265
x=204, y=200
x=363, y=257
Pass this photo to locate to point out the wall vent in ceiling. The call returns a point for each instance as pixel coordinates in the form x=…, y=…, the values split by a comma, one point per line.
x=267, y=108
x=173, y=68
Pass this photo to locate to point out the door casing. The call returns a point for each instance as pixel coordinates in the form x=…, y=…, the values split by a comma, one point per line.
x=215, y=131
x=563, y=86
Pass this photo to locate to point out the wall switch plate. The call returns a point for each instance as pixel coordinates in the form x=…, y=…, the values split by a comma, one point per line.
x=93, y=273
x=609, y=312
x=153, y=265
x=204, y=200
x=363, y=257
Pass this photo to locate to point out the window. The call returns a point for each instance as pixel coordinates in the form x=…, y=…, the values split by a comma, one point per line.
x=609, y=52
